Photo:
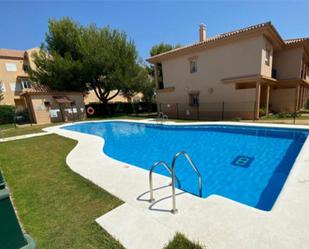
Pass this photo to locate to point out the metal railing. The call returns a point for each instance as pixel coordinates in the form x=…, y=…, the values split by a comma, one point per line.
x=150, y=177
x=174, y=177
x=209, y=111
x=290, y=113
x=174, y=209
x=161, y=117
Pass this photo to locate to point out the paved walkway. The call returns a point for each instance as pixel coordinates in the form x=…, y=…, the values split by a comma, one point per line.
x=216, y=222
x=7, y=139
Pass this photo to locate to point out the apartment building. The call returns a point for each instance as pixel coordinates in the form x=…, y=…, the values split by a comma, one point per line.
x=41, y=104
x=240, y=72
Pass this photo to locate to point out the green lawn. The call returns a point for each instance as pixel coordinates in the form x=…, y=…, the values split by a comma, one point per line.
x=181, y=242
x=56, y=206
x=9, y=130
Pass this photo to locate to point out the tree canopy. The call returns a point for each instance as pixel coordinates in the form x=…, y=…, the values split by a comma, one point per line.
x=159, y=49
x=162, y=48
x=83, y=58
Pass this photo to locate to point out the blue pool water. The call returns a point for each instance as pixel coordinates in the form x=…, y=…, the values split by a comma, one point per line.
x=246, y=164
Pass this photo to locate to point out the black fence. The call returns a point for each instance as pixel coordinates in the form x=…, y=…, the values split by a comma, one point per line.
x=233, y=111
x=114, y=109
x=214, y=111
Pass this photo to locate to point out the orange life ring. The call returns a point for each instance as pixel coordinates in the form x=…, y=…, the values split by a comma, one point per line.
x=90, y=110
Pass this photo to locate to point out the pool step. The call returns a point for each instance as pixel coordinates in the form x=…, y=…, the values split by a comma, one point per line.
x=134, y=228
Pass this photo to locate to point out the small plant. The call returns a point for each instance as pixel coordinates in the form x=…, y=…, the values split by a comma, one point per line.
x=307, y=104
x=6, y=114
x=181, y=242
x=237, y=119
x=262, y=111
x=282, y=115
x=288, y=115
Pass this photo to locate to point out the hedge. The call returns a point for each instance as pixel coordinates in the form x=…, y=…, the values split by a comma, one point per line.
x=6, y=114
x=110, y=109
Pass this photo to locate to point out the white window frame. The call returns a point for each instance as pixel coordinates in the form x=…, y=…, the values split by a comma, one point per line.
x=2, y=87
x=25, y=84
x=27, y=67
x=193, y=66
x=11, y=67
x=194, y=99
x=267, y=56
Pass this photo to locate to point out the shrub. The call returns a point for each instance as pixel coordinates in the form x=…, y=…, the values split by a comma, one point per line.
x=181, y=242
x=307, y=104
x=288, y=115
x=6, y=114
x=111, y=109
x=262, y=112
x=237, y=119
x=21, y=117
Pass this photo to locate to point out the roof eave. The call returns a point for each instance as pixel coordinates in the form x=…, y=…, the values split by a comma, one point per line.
x=268, y=29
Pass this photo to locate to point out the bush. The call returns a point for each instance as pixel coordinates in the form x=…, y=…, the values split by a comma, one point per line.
x=6, y=114
x=237, y=119
x=111, y=109
x=262, y=112
x=22, y=117
x=181, y=242
x=287, y=115
x=307, y=104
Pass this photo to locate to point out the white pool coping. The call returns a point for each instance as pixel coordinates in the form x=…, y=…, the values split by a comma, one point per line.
x=216, y=222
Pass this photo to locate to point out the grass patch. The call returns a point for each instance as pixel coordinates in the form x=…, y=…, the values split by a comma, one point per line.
x=181, y=242
x=56, y=206
x=9, y=130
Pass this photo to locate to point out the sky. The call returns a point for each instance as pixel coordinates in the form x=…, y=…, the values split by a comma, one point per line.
x=23, y=24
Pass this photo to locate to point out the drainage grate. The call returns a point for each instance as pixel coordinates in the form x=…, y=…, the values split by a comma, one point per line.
x=242, y=161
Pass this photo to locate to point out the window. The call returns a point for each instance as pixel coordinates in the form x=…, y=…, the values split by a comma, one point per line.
x=2, y=87
x=15, y=87
x=267, y=57
x=193, y=66
x=194, y=99
x=11, y=67
x=25, y=84
x=26, y=67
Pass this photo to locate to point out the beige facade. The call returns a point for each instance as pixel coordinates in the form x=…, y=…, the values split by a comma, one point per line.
x=245, y=70
x=42, y=105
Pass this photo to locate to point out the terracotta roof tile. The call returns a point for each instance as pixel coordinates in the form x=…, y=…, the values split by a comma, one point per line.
x=37, y=88
x=296, y=41
x=219, y=37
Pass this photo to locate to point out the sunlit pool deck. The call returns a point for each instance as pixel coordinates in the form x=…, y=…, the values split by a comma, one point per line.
x=216, y=222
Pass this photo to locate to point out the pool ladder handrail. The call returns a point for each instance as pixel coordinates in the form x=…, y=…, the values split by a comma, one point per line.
x=151, y=200
x=162, y=117
x=189, y=159
x=172, y=171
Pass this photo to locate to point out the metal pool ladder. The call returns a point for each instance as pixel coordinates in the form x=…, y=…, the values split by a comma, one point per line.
x=162, y=117
x=150, y=177
x=172, y=171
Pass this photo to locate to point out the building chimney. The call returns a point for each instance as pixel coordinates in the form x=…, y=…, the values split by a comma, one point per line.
x=202, y=32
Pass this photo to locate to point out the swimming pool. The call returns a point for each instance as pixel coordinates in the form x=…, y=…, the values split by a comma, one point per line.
x=243, y=163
